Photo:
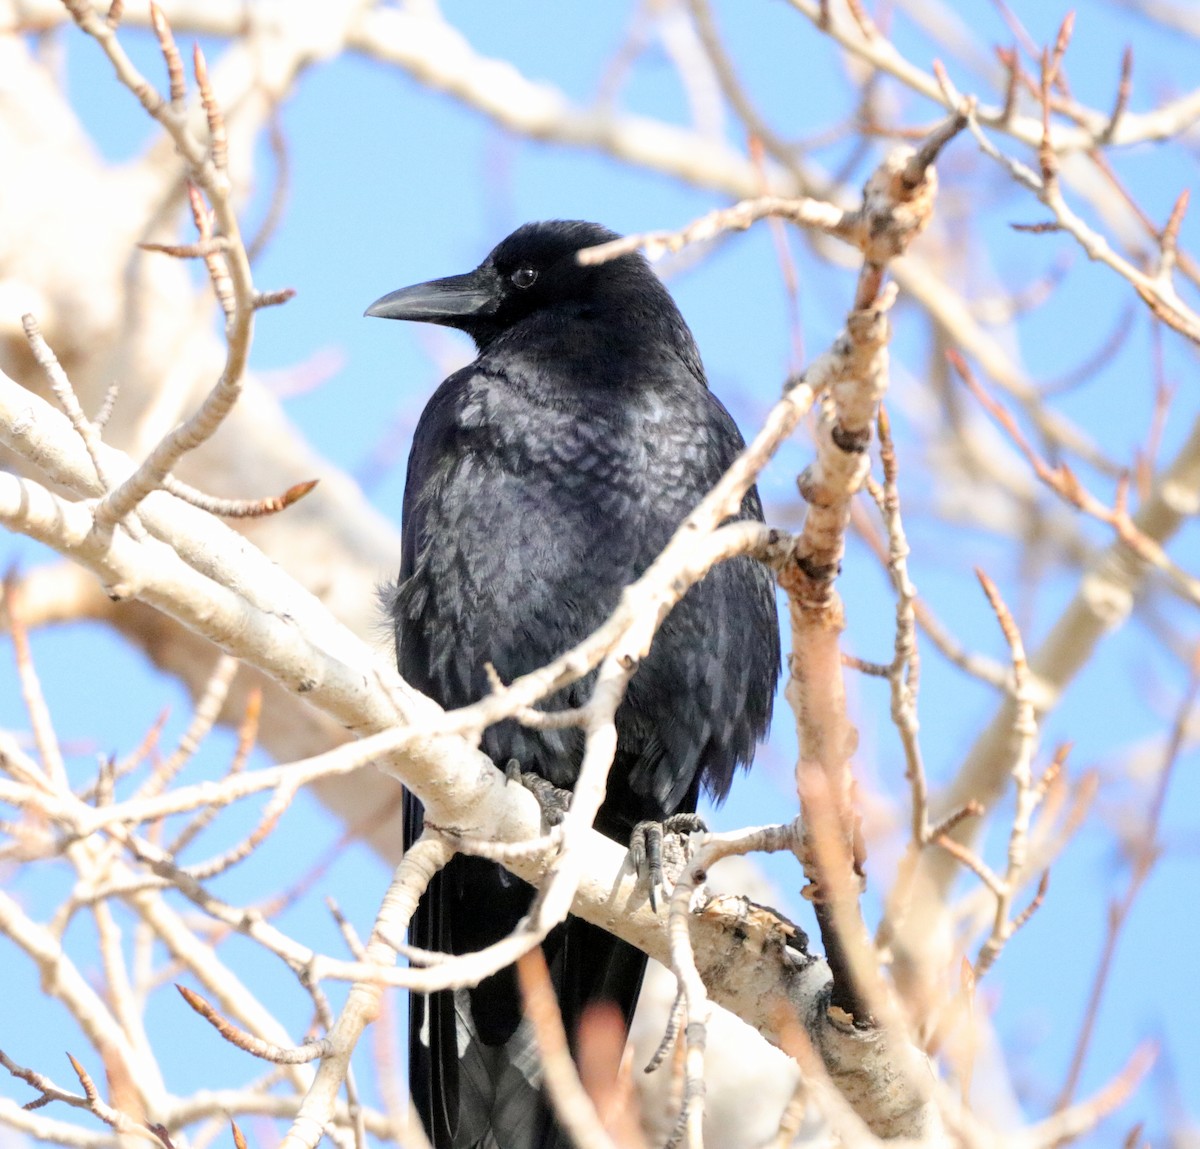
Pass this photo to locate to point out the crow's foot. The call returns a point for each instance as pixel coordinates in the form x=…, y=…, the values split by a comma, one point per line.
x=655, y=845
x=554, y=802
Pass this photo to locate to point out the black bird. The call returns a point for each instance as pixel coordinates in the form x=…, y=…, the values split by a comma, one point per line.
x=545, y=477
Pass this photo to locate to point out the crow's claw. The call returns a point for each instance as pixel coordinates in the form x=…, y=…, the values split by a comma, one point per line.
x=554, y=802
x=653, y=842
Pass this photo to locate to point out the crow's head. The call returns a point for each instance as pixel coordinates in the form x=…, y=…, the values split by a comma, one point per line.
x=533, y=271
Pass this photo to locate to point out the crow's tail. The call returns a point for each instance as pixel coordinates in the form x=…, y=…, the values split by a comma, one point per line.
x=474, y=1072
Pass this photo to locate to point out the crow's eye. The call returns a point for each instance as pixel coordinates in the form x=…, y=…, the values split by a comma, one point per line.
x=523, y=277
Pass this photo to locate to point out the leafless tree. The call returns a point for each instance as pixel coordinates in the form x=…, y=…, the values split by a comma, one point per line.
x=138, y=445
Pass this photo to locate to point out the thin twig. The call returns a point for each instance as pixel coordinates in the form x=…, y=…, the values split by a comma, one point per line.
x=1146, y=853
x=256, y=1047
x=572, y=1106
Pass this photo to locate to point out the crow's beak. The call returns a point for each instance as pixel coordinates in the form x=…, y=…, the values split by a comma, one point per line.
x=447, y=301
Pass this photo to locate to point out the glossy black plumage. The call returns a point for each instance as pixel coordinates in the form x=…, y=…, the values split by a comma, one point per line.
x=545, y=477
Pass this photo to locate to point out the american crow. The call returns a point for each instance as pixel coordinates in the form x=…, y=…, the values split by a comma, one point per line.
x=544, y=478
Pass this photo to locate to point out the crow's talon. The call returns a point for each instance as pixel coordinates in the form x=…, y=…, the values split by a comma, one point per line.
x=652, y=841
x=554, y=802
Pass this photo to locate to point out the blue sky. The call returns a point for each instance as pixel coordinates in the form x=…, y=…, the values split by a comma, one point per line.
x=392, y=183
